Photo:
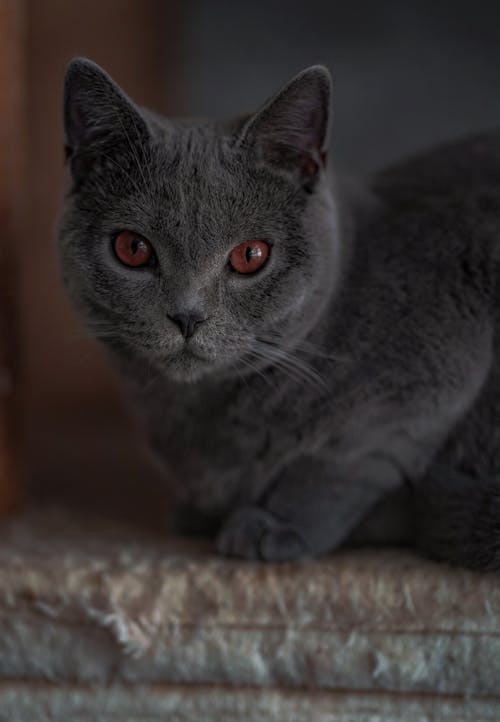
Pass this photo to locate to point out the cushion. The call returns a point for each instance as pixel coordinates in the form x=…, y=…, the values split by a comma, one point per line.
x=106, y=621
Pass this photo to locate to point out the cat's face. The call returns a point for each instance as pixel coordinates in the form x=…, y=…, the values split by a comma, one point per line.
x=201, y=248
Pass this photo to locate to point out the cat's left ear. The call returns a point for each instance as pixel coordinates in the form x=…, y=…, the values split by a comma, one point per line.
x=95, y=108
x=290, y=131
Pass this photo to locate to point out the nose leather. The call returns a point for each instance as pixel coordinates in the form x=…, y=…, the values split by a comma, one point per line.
x=186, y=322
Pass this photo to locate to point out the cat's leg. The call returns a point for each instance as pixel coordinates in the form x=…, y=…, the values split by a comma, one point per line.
x=309, y=510
x=458, y=518
x=190, y=521
x=316, y=501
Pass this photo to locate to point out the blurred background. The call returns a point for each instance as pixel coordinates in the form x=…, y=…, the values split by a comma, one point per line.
x=406, y=76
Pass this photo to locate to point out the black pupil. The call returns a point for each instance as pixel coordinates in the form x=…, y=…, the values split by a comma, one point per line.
x=136, y=246
x=251, y=253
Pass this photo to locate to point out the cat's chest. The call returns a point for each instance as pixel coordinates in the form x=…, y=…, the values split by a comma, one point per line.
x=222, y=445
x=218, y=431
x=215, y=428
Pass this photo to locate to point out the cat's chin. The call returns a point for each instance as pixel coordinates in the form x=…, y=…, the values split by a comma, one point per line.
x=188, y=367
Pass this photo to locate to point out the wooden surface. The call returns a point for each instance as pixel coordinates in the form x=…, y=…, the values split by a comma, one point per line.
x=63, y=374
x=59, y=365
x=11, y=187
x=56, y=369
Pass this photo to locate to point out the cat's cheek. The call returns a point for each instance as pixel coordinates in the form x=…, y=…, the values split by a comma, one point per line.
x=299, y=301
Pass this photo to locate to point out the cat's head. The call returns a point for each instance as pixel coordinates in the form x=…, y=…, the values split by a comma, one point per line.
x=200, y=247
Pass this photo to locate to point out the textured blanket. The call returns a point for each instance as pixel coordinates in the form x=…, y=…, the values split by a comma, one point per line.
x=100, y=622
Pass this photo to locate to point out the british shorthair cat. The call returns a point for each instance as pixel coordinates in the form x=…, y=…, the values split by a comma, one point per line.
x=298, y=353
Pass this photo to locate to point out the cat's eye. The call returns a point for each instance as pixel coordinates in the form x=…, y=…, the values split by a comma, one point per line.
x=133, y=250
x=249, y=256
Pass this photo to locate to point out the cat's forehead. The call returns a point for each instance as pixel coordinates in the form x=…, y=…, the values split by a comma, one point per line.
x=201, y=180
x=191, y=189
x=199, y=137
x=197, y=148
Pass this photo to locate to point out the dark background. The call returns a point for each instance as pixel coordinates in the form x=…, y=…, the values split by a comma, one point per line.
x=406, y=76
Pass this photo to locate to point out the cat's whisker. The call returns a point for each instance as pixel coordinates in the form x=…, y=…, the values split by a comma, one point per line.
x=305, y=346
x=296, y=367
x=147, y=188
x=125, y=172
x=255, y=369
x=142, y=147
x=151, y=379
x=289, y=371
x=310, y=349
x=109, y=146
x=101, y=329
x=271, y=355
x=102, y=332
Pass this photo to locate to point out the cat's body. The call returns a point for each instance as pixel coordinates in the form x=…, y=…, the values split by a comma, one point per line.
x=375, y=366
x=433, y=273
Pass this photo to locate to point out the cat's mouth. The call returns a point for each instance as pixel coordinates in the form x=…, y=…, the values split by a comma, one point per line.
x=188, y=365
x=191, y=354
x=185, y=352
x=190, y=362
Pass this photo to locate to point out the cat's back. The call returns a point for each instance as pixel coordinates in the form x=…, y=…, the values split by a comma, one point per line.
x=438, y=225
x=464, y=165
x=424, y=269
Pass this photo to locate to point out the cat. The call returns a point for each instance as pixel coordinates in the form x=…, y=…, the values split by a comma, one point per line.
x=299, y=353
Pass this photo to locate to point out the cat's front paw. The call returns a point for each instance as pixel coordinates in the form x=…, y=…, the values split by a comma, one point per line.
x=254, y=533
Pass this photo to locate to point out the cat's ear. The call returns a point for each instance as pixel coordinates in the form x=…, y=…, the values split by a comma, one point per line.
x=291, y=130
x=95, y=109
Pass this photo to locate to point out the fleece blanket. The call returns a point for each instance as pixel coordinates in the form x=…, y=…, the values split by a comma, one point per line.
x=100, y=621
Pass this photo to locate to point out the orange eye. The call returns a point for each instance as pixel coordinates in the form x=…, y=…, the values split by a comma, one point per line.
x=249, y=256
x=133, y=250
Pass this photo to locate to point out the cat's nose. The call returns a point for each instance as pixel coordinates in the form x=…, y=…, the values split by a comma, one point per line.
x=187, y=322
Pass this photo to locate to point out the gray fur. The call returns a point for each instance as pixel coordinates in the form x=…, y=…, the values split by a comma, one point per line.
x=361, y=358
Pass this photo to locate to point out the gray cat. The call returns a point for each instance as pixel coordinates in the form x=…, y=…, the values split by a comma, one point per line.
x=297, y=352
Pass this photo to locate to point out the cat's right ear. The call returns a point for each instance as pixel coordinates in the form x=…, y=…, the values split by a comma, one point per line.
x=290, y=132
x=95, y=109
